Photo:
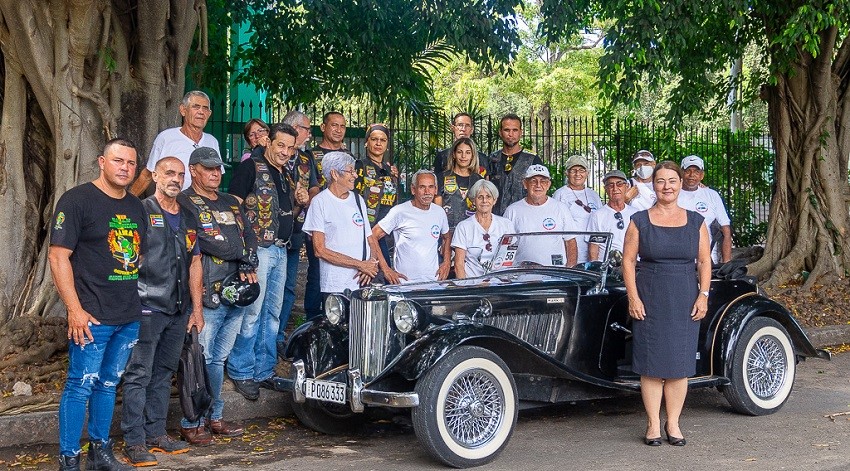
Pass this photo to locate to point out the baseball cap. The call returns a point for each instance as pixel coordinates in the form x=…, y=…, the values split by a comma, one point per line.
x=205, y=156
x=693, y=161
x=574, y=160
x=537, y=169
x=614, y=174
x=643, y=154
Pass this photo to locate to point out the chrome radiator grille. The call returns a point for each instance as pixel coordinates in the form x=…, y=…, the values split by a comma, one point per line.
x=543, y=331
x=369, y=336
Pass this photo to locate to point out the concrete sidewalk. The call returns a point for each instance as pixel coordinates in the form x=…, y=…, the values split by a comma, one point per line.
x=41, y=427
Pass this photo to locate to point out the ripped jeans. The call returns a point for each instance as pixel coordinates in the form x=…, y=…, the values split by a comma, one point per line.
x=94, y=371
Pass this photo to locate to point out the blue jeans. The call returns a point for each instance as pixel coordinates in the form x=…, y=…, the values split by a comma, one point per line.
x=94, y=370
x=254, y=355
x=293, y=257
x=221, y=326
x=312, y=292
x=147, y=381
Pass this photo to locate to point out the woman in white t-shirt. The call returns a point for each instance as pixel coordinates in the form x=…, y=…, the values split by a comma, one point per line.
x=337, y=223
x=476, y=238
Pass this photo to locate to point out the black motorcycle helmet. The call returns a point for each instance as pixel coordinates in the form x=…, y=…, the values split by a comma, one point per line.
x=235, y=292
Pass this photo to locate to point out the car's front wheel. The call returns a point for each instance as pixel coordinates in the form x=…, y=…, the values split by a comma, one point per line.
x=763, y=368
x=467, y=407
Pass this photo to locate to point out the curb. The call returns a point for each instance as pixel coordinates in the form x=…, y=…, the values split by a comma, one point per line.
x=42, y=427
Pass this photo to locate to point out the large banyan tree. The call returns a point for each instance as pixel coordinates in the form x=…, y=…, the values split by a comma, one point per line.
x=73, y=74
x=804, y=47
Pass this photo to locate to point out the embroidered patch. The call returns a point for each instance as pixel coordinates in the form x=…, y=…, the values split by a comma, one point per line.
x=157, y=220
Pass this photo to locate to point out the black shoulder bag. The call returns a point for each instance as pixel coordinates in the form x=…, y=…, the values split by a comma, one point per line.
x=192, y=379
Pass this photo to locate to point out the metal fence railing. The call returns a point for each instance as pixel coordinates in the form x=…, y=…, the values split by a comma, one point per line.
x=738, y=166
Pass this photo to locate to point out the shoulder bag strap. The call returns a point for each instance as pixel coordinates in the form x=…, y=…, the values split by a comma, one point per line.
x=357, y=200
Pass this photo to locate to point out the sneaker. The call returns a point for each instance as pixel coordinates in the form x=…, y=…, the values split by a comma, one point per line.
x=248, y=388
x=100, y=458
x=139, y=456
x=166, y=444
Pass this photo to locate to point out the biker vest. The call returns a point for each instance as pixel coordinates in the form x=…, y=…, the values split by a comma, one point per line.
x=262, y=206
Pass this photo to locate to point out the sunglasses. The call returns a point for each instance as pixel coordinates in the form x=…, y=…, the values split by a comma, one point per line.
x=619, y=217
x=489, y=246
x=586, y=208
x=509, y=163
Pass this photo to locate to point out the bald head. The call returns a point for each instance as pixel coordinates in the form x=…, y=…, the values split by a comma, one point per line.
x=168, y=174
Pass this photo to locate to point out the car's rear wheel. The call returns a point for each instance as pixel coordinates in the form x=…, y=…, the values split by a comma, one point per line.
x=328, y=418
x=763, y=368
x=467, y=407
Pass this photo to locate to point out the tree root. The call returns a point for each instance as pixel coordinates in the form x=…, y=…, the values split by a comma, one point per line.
x=14, y=405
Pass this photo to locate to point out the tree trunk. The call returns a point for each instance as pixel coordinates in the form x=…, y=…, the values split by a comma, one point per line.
x=75, y=74
x=809, y=116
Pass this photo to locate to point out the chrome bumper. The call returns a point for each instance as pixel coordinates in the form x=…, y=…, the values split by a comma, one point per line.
x=358, y=396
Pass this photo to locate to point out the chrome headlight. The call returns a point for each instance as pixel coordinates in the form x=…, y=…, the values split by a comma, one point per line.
x=335, y=308
x=406, y=316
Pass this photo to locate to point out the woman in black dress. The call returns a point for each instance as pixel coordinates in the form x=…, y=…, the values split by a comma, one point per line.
x=668, y=295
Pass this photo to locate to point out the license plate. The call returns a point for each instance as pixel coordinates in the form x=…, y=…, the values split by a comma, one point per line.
x=329, y=391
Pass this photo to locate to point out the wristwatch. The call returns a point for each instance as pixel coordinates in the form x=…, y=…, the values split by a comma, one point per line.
x=704, y=293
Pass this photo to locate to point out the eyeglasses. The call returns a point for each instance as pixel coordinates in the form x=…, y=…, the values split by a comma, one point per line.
x=509, y=161
x=585, y=207
x=306, y=128
x=618, y=184
x=258, y=133
x=489, y=246
x=577, y=170
x=197, y=106
x=462, y=126
x=619, y=217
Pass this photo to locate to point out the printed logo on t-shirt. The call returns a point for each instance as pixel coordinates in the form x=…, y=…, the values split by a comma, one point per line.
x=124, y=241
x=548, y=224
x=60, y=218
x=435, y=231
x=357, y=219
x=701, y=207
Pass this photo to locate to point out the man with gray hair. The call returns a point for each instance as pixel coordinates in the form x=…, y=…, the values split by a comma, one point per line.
x=339, y=228
x=417, y=227
x=180, y=142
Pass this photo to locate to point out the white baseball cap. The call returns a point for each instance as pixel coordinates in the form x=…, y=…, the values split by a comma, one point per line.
x=537, y=169
x=693, y=161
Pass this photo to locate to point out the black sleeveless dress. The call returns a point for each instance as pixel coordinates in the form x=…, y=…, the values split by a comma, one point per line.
x=665, y=342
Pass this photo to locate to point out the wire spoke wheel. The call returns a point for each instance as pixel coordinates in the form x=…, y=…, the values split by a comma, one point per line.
x=766, y=367
x=474, y=408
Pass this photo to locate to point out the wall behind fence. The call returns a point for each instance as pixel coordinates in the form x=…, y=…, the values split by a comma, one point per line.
x=738, y=166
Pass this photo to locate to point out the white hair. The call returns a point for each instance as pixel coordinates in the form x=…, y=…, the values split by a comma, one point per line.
x=484, y=185
x=335, y=161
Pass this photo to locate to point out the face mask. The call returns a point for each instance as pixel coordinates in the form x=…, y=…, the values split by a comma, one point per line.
x=644, y=172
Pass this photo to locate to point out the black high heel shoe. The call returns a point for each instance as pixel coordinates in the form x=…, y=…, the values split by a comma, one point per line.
x=675, y=441
x=652, y=441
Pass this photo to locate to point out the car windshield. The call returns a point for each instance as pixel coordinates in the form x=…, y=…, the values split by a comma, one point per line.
x=543, y=249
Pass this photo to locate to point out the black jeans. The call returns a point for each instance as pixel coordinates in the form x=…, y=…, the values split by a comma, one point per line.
x=147, y=380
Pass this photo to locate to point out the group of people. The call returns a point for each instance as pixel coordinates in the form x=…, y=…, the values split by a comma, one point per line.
x=136, y=276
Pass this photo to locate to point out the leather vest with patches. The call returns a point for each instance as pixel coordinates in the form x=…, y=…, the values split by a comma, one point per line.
x=456, y=200
x=164, y=271
x=262, y=206
x=509, y=184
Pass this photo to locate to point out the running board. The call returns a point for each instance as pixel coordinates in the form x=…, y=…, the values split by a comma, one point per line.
x=701, y=382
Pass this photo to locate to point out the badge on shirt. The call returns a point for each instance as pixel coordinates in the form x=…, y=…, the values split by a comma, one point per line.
x=548, y=224
x=60, y=218
x=557, y=260
x=157, y=220
x=450, y=184
x=205, y=217
x=435, y=231
x=701, y=207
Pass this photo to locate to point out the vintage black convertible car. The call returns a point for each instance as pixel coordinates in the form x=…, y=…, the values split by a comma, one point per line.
x=466, y=355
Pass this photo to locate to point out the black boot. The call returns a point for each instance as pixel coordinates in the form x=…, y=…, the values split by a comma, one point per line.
x=101, y=458
x=69, y=463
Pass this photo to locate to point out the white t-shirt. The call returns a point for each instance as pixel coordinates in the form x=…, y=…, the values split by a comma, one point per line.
x=605, y=220
x=589, y=199
x=707, y=203
x=416, y=233
x=173, y=143
x=344, y=228
x=646, y=195
x=551, y=216
x=469, y=236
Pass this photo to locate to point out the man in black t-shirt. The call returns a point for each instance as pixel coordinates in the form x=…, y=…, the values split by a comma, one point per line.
x=268, y=195
x=95, y=248
x=170, y=286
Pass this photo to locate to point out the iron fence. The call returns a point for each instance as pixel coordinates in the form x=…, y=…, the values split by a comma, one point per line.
x=738, y=166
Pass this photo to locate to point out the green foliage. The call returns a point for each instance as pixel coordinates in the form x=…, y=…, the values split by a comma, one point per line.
x=385, y=50
x=695, y=41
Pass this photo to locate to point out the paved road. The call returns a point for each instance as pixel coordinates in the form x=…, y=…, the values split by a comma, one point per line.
x=601, y=435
